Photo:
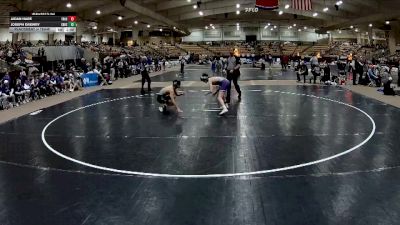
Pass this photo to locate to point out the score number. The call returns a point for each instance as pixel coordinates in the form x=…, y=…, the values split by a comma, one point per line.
x=69, y=19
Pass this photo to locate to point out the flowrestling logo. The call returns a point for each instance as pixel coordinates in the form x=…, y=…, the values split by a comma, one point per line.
x=251, y=10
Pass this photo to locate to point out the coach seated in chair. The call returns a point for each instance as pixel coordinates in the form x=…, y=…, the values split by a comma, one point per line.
x=302, y=71
x=373, y=76
x=387, y=87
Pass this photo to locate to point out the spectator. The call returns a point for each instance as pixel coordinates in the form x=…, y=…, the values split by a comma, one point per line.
x=182, y=61
x=303, y=71
x=19, y=92
x=314, y=61
x=373, y=76
x=327, y=72
x=27, y=90
x=7, y=93
x=359, y=70
x=316, y=72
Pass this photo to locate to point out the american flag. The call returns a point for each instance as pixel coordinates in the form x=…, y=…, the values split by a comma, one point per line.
x=302, y=4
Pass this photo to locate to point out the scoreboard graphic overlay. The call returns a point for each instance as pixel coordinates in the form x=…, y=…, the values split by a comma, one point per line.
x=56, y=22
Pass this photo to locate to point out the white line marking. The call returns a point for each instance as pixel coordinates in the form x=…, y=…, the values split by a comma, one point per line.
x=344, y=173
x=35, y=113
x=212, y=110
x=255, y=90
x=205, y=175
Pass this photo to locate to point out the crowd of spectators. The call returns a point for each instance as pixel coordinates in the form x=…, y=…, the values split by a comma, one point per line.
x=30, y=85
x=24, y=88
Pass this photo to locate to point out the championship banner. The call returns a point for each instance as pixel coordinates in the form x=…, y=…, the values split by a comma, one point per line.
x=267, y=4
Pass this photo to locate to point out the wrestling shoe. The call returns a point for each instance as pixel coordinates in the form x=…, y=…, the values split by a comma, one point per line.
x=225, y=110
x=226, y=105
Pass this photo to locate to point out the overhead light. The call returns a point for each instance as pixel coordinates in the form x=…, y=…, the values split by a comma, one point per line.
x=111, y=30
x=387, y=22
x=305, y=28
x=287, y=6
x=328, y=32
x=174, y=28
x=269, y=24
x=201, y=13
x=189, y=0
x=370, y=25
x=325, y=9
x=95, y=28
x=98, y=12
x=356, y=30
x=366, y=33
x=237, y=28
x=237, y=6
x=213, y=28
x=265, y=27
x=194, y=6
x=294, y=25
x=339, y=2
x=315, y=14
x=340, y=31
x=290, y=27
x=160, y=29
x=148, y=26
x=280, y=12
x=119, y=17
x=237, y=24
x=275, y=26
x=206, y=27
x=237, y=12
x=351, y=27
x=299, y=30
x=211, y=24
x=136, y=22
x=272, y=28
x=69, y=5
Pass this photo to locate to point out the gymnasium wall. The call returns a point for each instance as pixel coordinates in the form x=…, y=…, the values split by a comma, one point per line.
x=5, y=35
x=232, y=34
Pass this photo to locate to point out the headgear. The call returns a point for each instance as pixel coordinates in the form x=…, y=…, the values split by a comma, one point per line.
x=176, y=83
x=204, y=77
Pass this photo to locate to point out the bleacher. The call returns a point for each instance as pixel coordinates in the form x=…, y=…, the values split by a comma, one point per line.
x=220, y=50
x=270, y=49
x=321, y=48
x=289, y=49
x=195, y=49
x=168, y=50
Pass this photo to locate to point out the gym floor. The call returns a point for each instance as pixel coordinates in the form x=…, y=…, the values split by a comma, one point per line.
x=282, y=155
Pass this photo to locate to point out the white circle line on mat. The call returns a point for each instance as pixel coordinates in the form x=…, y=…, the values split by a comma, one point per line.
x=205, y=175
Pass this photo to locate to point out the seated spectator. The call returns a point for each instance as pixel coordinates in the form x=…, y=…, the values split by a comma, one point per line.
x=7, y=92
x=373, y=76
x=35, y=91
x=22, y=76
x=60, y=86
x=27, y=90
x=42, y=86
x=52, y=84
x=6, y=76
x=19, y=92
x=387, y=88
x=303, y=71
